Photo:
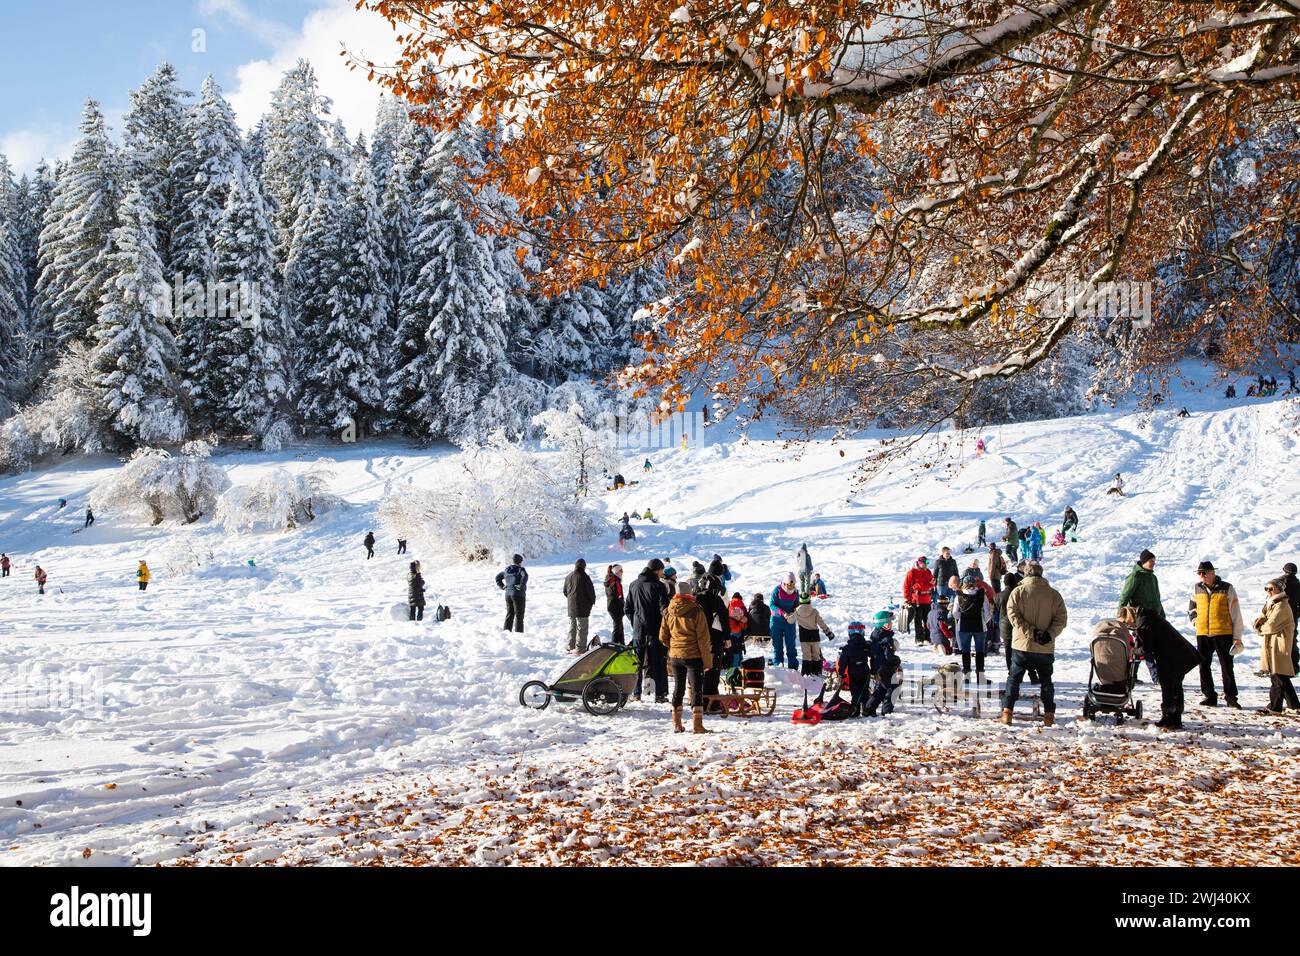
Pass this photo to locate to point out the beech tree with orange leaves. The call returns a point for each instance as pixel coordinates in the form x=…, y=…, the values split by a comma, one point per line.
x=859, y=202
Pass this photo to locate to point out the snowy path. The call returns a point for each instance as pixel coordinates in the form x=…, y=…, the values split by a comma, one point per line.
x=241, y=705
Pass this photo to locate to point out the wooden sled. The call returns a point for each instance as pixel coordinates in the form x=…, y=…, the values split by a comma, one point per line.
x=747, y=695
x=754, y=702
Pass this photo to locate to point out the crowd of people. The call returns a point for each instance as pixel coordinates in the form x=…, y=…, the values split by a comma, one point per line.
x=1001, y=602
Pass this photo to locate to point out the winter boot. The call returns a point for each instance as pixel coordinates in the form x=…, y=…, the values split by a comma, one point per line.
x=697, y=716
x=1049, y=718
x=979, y=667
x=1005, y=718
x=677, y=721
x=965, y=663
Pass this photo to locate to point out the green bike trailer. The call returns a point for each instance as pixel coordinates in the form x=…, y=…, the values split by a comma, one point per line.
x=603, y=679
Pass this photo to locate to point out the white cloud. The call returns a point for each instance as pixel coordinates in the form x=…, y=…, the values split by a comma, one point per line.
x=320, y=39
x=25, y=148
x=270, y=32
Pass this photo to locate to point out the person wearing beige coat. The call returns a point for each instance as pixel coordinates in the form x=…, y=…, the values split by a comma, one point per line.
x=1276, y=625
x=1037, y=614
x=685, y=632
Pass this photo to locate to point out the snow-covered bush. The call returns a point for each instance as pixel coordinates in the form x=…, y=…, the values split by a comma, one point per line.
x=184, y=555
x=157, y=485
x=586, y=448
x=72, y=418
x=280, y=500
x=499, y=499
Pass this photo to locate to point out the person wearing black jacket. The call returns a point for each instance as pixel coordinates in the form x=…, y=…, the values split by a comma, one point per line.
x=415, y=592
x=614, y=599
x=581, y=594
x=1175, y=657
x=945, y=569
x=710, y=595
x=760, y=618
x=1012, y=538
x=514, y=581
x=644, y=605
x=1293, y=598
x=855, y=664
x=369, y=542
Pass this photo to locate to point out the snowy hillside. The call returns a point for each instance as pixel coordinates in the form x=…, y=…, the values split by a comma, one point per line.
x=255, y=713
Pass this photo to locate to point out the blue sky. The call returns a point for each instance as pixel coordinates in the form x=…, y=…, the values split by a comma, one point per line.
x=58, y=52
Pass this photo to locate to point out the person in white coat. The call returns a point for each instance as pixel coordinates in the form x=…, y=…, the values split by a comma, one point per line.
x=803, y=564
x=971, y=613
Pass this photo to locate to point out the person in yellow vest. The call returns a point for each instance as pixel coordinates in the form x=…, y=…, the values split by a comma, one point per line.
x=1216, y=614
x=142, y=575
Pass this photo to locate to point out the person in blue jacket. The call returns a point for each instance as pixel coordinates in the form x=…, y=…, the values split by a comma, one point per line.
x=883, y=654
x=785, y=641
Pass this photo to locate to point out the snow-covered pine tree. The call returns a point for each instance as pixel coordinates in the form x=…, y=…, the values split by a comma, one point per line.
x=315, y=260
x=451, y=342
x=34, y=195
x=342, y=154
x=633, y=294
x=159, y=156
x=13, y=294
x=513, y=254
x=255, y=150
x=296, y=151
x=217, y=160
x=215, y=143
x=78, y=226
x=390, y=117
x=341, y=380
x=248, y=376
x=573, y=339
x=400, y=192
x=135, y=355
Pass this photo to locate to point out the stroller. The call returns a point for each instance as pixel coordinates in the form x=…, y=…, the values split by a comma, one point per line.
x=1112, y=672
x=603, y=679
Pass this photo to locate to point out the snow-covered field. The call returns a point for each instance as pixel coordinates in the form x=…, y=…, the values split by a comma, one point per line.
x=281, y=714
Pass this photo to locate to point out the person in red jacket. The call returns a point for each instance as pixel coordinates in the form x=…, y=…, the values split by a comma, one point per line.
x=917, y=587
x=41, y=578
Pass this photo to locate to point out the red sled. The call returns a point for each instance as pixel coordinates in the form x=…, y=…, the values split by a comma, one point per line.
x=807, y=714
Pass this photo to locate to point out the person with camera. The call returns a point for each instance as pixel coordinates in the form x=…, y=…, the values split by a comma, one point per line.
x=1037, y=614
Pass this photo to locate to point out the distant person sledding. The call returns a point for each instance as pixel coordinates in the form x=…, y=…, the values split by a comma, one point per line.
x=1117, y=486
x=619, y=483
x=1069, y=523
x=625, y=534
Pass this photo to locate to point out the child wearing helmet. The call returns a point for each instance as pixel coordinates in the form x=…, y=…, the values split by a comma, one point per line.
x=855, y=665
x=941, y=631
x=883, y=655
